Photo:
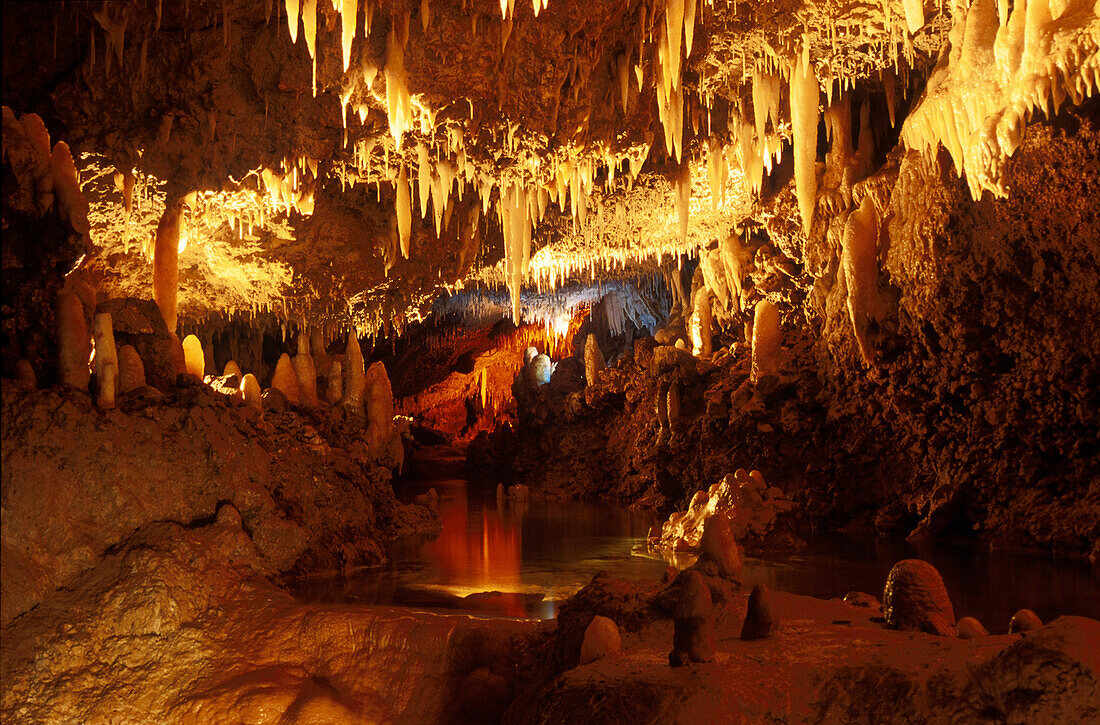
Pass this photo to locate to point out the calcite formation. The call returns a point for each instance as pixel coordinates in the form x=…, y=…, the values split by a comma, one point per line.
x=766, y=338
x=166, y=263
x=73, y=341
x=601, y=639
x=106, y=361
x=693, y=621
x=250, y=389
x=193, y=356
x=593, y=360
x=915, y=599
x=759, y=620
x=131, y=370
x=355, y=381
x=701, y=322
x=285, y=380
x=231, y=369
x=335, y=391
x=859, y=271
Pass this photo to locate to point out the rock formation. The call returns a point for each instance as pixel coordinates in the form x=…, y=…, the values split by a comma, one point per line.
x=601, y=639
x=915, y=599
x=693, y=619
x=759, y=621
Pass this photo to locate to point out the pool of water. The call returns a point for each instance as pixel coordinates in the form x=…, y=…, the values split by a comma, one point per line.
x=518, y=558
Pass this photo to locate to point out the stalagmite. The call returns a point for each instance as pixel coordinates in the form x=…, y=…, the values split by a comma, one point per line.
x=355, y=376
x=859, y=270
x=285, y=380
x=194, y=360
x=593, y=360
x=106, y=360
x=208, y=359
x=379, y=407
x=74, y=346
x=322, y=363
x=335, y=389
x=176, y=356
x=804, y=97
x=305, y=371
x=672, y=405
x=250, y=389
x=701, y=322
x=765, y=340
x=231, y=369
x=166, y=263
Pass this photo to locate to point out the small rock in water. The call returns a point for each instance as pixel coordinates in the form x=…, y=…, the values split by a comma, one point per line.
x=970, y=628
x=601, y=639
x=759, y=622
x=1024, y=620
x=693, y=620
x=916, y=600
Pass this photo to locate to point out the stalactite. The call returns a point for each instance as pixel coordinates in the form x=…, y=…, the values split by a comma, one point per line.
x=804, y=99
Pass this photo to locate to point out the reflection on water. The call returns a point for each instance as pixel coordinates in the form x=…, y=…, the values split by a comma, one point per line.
x=509, y=557
x=516, y=558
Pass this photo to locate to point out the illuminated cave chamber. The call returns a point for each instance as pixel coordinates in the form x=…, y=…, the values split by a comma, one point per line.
x=756, y=271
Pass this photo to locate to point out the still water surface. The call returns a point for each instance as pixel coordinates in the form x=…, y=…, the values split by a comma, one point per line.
x=536, y=553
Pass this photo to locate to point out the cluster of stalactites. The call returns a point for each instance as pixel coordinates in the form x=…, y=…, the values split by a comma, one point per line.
x=1001, y=67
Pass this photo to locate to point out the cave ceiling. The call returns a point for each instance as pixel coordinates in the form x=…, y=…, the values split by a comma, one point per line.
x=536, y=143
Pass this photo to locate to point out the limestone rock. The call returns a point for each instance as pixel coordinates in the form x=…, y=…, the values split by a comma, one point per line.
x=916, y=600
x=593, y=360
x=335, y=389
x=138, y=323
x=718, y=545
x=194, y=359
x=1024, y=620
x=601, y=639
x=970, y=628
x=250, y=389
x=285, y=380
x=131, y=371
x=759, y=621
x=106, y=361
x=693, y=621
x=307, y=378
x=74, y=344
x=539, y=371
